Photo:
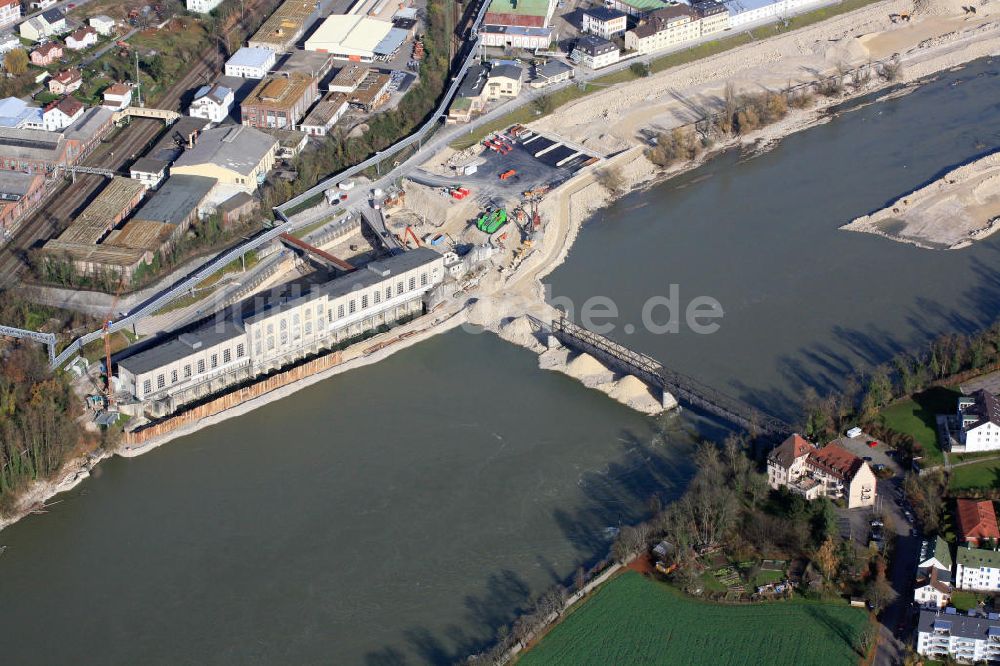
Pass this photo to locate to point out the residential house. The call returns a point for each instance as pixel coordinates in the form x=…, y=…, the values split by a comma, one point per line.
x=979, y=416
x=236, y=156
x=594, y=52
x=971, y=638
x=503, y=80
x=977, y=569
x=61, y=113
x=813, y=472
x=117, y=96
x=104, y=25
x=66, y=81
x=933, y=585
x=664, y=28
x=47, y=24
x=976, y=523
x=786, y=464
x=469, y=99
x=10, y=12
x=212, y=102
x=604, y=22
x=81, y=38
x=552, y=72
x=8, y=42
x=325, y=114
x=149, y=171
x=46, y=54
x=714, y=16
x=250, y=63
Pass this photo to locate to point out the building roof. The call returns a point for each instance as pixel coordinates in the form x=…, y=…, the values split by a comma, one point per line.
x=325, y=110
x=937, y=549
x=93, y=120
x=962, y=626
x=68, y=105
x=149, y=165
x=349, y=76
x=473, y=83
x=520, y=7
x=176, y=199
x=648, y=5
x=506, y=71
x=81, y=33
x=369, y=90
x=181, y=346
x=16, y=184
x=349, y=32
x=603, y=14
x=145, y=235
x=524, y=30
x=31, y=144
x=45, y=49
x=173, y=142
x=391, y=42
x=110, y=205
x=593, y=45
x=284, y=25
x=238, y=148
x=14, y=111
x=117, y=89
x=709, y=7
x=790, y=450
x=977, y=558
x=938, y=579
x=552, y=68
x=68, y=76
x=251, y=56
x=976, y=520
x=53, y=16
x=279, y=92
x=835, y=461
x=214, y=93
x=371, y=275
x=985, y=407
x=663, y=19
x=235, y=202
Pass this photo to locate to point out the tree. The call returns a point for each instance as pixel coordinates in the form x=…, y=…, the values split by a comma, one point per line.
x=879, y=593
x=154, y=67
x=16, y=62
x=826, y=558
x=640, y=69
x=611, y=179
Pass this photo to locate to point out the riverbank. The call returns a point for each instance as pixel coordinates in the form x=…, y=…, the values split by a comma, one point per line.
x=953, y=212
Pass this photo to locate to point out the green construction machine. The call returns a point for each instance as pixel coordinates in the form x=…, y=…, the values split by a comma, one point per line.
x=492, y=220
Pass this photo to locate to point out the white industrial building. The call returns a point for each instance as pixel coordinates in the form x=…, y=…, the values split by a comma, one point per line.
x=202, y=6
x=349, y=36
x=516, y=36
x=289, y=327
x=251, y=62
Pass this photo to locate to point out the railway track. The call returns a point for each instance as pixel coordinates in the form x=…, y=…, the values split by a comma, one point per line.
x=67, y=198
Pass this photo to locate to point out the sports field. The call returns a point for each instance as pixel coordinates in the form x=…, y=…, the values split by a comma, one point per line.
x=636, y=620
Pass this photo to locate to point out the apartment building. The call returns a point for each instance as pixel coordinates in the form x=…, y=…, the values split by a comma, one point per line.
x=279, y=101
x=212, y=102
x=830, y=471
x=976, y=523
x=971, y=638
x=10, y=12
x=282, y=329
x=595, y=52
x=933, y=585
x=604, y=22
x=664, y=28
x=977, y=569
x=979, y=418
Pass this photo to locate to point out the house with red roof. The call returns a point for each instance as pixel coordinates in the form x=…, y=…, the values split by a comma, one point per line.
x=66, y=81
x=976, y=522
x=46, y=54
x=830, y=471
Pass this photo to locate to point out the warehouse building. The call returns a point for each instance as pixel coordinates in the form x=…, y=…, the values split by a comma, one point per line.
x=351, y=37
x=372, y=92
x=287, y=328
x=524, y=13
x=250, y=63
x=516, y=36
x=279, y=102
x=325, y=114
x=178, y=202
x=284, y=27
x=18, y=193
x=234, y=156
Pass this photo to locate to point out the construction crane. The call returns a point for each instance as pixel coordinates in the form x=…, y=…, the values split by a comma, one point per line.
x=109, y=393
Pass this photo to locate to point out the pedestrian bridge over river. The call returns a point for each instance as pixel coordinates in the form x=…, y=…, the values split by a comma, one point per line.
x=685, y=389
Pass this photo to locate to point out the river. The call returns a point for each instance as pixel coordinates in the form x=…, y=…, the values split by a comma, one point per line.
x=398, y=513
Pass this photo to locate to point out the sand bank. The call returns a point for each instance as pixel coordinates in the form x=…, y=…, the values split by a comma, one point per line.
x=954, y=211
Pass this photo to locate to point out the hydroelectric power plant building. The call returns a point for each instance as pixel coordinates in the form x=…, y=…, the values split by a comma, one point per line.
x=282, y=330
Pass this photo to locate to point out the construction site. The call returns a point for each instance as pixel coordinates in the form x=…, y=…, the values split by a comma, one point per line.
x=487, y=196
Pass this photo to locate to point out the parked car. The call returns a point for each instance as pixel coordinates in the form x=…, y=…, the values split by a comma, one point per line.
x=872, y=443
x=867, y=458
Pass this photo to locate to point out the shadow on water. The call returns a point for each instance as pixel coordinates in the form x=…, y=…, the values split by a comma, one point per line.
x=618, y=495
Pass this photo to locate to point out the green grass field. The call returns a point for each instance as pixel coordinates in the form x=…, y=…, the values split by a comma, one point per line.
x=981, y=475
x=635, y=620
x=917, y=417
